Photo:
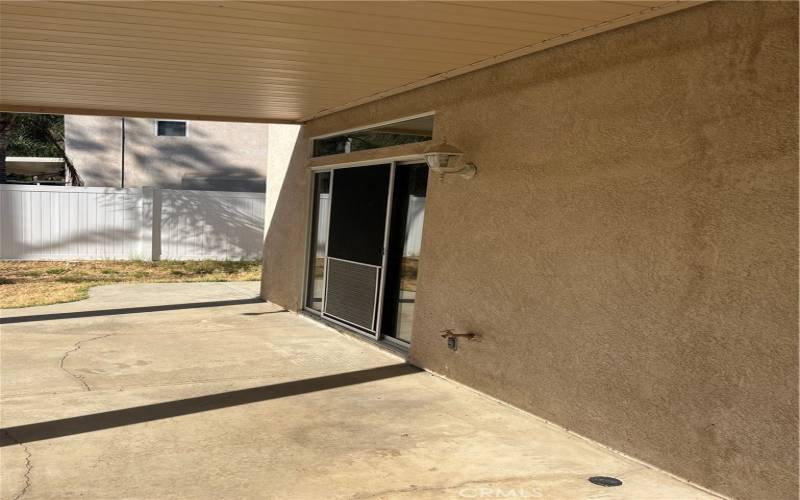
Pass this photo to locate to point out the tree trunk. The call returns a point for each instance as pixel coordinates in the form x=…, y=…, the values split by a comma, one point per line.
x=6, y=120
x=70, y=172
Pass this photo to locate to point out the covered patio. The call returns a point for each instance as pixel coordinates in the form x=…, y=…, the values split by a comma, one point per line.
x=586, y=210
x=196, y=390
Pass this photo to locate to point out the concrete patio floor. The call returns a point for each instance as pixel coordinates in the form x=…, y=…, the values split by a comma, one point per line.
x=193, y=390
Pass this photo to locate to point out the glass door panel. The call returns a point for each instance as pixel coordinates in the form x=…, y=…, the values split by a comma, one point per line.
x=405, y=240
x=315, y=288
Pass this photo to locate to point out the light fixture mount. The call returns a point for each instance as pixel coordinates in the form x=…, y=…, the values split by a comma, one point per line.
x=443, y=159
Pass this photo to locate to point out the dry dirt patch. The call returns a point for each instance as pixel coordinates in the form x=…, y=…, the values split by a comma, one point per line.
x=24, y=284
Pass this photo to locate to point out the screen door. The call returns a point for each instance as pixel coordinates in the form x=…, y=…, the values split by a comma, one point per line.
x=357, y=226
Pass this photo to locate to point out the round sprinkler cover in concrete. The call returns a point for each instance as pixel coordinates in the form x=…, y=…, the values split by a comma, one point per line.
x=605, y=481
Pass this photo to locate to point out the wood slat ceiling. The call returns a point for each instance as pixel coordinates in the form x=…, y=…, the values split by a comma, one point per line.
x=268, y=61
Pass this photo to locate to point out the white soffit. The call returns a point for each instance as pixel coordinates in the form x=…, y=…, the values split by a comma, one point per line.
x=280, y=62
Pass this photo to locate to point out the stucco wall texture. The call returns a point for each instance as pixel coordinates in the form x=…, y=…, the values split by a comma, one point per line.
x=628, y=251
x=214, y=155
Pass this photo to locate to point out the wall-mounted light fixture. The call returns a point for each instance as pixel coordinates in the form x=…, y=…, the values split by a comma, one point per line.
x=445, y=159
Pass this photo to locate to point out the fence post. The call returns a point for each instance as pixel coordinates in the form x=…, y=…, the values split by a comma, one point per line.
x=151, y=224
x=156, y=234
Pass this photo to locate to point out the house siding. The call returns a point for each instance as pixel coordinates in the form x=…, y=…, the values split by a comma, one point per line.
x=213, y=156
x=628, y=251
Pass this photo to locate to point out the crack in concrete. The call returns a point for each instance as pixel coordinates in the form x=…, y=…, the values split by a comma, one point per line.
x=76, y=347
x=414, y=489
x=28, y=466
x=244, y=292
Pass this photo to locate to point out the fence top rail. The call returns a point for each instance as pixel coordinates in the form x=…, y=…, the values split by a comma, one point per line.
x=131, y=190
x=68, y=189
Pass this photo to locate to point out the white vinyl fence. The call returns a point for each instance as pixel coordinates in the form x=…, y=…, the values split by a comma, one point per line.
x=80, y=223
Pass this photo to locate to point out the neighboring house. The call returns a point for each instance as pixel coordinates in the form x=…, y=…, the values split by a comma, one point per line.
x=173, y=154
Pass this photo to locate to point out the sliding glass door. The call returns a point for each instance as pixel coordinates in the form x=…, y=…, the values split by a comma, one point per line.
x=365, y=240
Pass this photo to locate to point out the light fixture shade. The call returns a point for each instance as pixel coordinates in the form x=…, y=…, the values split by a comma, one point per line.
x=442, y=157
x=437, y=161
x=443, y=148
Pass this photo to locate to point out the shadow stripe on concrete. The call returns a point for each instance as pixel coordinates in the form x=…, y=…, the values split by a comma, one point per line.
x=130, y=310
x=117, y=418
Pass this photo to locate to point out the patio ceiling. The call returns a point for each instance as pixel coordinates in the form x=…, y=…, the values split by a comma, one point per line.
x=268, y=61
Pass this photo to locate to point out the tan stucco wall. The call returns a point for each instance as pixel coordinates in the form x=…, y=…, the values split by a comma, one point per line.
x=285, y=149
x=210, y=150
x=629, y=249
x=93, y=144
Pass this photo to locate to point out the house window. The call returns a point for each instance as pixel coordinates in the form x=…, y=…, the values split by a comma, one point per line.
x=407, y=131
x=171, y=128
